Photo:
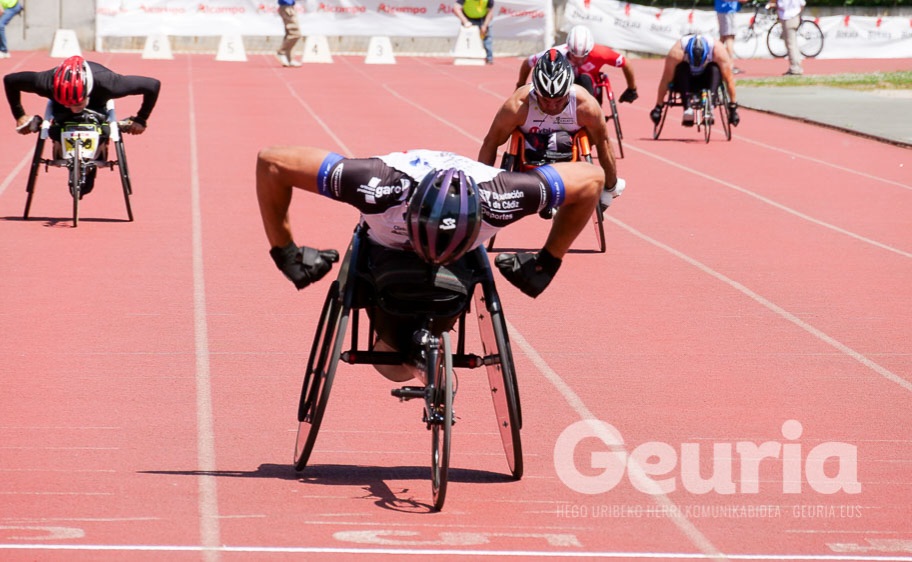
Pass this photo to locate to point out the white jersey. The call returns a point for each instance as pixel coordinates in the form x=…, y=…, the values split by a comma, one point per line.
x=540, y=123
x=418, y=163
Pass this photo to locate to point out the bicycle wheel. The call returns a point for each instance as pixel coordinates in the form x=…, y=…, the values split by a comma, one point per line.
x=810, y=38
x=321, y=370
x=33, y=175
x=615, y=118
x=124, y=176
x=775, y=41
x=745, y=43
x=502, y=380
x=598, y=221
x=441, y=418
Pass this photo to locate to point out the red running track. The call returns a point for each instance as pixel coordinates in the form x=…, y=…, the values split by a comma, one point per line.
x=754, y=300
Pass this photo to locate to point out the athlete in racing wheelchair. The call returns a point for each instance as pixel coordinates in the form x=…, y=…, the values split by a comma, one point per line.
x=81, y=95
x=693, y=65
x=551, y=115
x=418, y=254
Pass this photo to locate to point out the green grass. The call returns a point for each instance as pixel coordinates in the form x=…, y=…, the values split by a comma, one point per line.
x=867, y=81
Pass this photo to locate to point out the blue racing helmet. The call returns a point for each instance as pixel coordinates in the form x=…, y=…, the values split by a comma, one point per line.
x=697, y=53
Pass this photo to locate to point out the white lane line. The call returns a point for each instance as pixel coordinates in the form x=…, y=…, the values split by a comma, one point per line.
x=205, y=431
x=310, y=111
x=778, y=310
x=772, y=203
x=829, y=164
x=634, y=469
x=15, y=171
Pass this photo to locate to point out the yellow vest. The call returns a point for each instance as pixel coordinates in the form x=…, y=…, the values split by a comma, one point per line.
x=8, y=3
x=475, y=9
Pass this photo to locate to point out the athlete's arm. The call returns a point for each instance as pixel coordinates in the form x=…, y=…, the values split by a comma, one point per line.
x=583, y=183
x=590, y=116
x=280, y=169
x=18, y=82
x=675, y=55
x=511, y=115
x=721, y=57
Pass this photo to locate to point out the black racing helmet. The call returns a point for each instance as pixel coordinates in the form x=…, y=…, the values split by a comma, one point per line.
x=444, y=216
x=552, y=76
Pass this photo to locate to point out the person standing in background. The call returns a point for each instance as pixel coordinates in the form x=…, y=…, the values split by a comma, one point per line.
x=8, y=10
x=292, y=33
x=789, y=12
x=725, y=12
x=480, y=13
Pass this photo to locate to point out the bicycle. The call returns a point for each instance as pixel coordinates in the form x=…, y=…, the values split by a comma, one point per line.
x=514, y=160
x=810, y=39
x=704, y=105
x=604, y=85
x=83, y=147
x=765, y=22
x=432, y=349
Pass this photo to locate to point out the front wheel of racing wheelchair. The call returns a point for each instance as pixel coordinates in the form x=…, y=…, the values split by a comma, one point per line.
x=353, y=292
x=514, y=160
x=81, y=145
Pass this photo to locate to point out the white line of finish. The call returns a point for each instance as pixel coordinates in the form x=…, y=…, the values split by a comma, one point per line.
x=205, y=436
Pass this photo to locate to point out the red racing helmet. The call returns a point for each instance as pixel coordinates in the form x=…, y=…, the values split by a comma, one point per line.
x=72, y=81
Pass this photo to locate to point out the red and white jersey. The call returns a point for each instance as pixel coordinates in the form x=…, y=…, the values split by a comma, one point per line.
x=599, y=56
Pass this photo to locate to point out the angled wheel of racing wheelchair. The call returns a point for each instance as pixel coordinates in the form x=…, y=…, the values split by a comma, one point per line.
x=672, y=99
x=80, y=146
x=356, y=289
x=513, y=160
x=601, y=88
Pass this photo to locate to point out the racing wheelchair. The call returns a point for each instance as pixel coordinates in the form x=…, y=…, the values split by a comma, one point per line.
x=704, y=105
x=407, y=292
x=514, y=160
x=83, y=148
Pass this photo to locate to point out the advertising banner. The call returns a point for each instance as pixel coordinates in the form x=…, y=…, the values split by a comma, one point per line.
x=644, y=29
x=513, y=19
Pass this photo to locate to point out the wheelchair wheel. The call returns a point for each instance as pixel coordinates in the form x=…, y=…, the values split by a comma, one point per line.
x=706, y=107
x=598, y=220
x=615, y=118
x=124, y=176
x=657, y=128
x=321, y=370
x=33, y=175
x=441, y=420
x=77, y=177
x=722, y=101
x=502, y=379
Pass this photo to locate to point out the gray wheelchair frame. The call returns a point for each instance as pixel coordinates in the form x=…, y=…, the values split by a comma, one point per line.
x=78, y=166
x=353, y=292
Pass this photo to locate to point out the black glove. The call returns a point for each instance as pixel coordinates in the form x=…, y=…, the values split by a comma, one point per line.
x=303, y=266
x=656, y=114
x=629, y=95
x=530, y=273
x=733, y=116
